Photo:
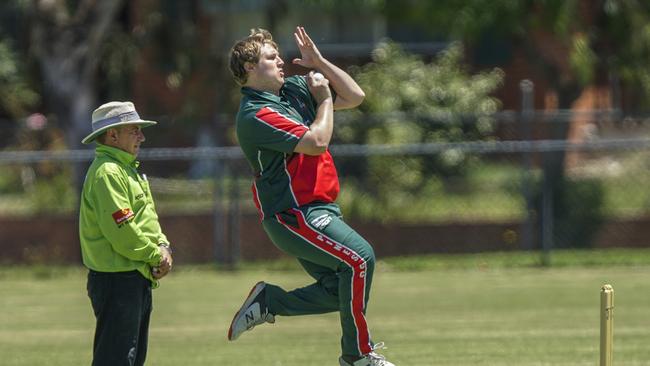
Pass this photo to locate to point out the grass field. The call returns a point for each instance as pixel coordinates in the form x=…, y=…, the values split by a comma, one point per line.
x=461, y=310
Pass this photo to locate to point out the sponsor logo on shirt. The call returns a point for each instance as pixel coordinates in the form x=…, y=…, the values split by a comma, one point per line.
x=122, y=215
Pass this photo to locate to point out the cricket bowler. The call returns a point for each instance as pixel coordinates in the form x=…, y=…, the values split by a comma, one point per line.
x=284, y=127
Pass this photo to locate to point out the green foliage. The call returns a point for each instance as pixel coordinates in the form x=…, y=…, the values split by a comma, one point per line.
x=583, y=59
x=485, y=192
x=55, y=194
x=37, y=188
x=629, y=30
x=591, y=37
x=117, y=62
x=15, y=95
x=577, y=211
x=9, y=180
x=467, y=19
x=411, y=101
x=347, y=4
x=625, y=192
x=398, y=81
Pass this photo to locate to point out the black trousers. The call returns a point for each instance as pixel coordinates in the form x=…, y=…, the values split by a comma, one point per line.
x=122, y=305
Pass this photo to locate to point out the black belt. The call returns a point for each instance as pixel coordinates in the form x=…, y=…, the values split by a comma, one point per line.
x=96, y=273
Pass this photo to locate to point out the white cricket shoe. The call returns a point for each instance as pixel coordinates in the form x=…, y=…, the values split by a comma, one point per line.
x=371, y=359
x=253, y=312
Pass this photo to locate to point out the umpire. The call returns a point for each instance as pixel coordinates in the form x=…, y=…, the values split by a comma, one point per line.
x=121, y=241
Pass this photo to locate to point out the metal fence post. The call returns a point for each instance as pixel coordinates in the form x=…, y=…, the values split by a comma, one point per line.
x=547, y=220
x=218, y=216
x=234, y=219
x=527, y=110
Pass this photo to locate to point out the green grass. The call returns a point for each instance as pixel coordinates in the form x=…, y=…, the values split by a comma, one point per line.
x=483, y=309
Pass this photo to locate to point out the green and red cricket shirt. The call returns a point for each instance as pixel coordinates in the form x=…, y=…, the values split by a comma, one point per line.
x=269, y=127
x=118, y=223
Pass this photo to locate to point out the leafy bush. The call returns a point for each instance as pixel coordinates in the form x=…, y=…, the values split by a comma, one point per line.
x=15, y=95
x=409, y=101
x=54, y=194
x=577, y=211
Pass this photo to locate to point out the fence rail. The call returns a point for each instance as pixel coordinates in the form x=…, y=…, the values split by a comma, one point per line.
x=349, y=150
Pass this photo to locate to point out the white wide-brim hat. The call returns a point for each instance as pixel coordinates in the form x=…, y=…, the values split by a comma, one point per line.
x=114, y=114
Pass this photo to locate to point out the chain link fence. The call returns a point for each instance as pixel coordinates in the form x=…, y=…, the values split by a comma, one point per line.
x=519, y=189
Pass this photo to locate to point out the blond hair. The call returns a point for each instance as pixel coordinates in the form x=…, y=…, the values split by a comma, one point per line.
x=248, y=50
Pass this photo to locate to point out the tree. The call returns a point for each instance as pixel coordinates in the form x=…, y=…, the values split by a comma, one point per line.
x=66, y=41
x=570, y=41
x=570, y=44
x=411, y=101
x=15, y=94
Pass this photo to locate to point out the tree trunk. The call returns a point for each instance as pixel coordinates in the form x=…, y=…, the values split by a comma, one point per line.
x=67, y=42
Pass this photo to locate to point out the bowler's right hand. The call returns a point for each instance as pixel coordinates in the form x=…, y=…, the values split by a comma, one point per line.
x=320, y=89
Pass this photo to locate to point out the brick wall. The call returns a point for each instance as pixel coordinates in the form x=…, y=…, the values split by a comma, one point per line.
x=54, y=239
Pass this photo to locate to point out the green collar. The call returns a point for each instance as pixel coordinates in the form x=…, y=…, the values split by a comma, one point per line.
x=116, y=154
x=268, y=97
x=261, y=94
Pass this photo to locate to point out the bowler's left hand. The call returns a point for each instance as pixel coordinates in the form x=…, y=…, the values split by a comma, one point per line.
x=308, y=50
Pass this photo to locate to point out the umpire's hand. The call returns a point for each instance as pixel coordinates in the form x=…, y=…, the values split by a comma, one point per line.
x=165, y=265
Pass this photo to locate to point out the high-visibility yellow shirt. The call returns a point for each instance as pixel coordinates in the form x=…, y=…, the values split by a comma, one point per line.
x=118, y=224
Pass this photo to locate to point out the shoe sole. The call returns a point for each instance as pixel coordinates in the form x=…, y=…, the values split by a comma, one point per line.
x=249, y=300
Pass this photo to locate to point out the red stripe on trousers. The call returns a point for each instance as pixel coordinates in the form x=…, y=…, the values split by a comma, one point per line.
x=353, y=260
